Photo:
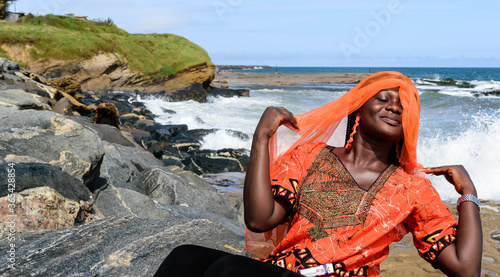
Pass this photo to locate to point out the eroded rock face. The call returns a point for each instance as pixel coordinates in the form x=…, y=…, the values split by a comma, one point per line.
x=109, y=71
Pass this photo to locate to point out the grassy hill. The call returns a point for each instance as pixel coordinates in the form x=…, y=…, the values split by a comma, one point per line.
x=66, y=38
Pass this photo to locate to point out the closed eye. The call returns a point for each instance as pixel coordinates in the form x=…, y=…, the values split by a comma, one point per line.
x=383, y=100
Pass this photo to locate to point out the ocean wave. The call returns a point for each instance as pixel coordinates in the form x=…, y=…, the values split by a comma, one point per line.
x=224, y=139
x=476, y=148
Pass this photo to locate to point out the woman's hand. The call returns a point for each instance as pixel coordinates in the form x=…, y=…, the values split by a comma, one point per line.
x=272, y=118
x=456, y=175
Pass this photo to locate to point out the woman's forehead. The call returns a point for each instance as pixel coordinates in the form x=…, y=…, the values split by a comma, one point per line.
x=395, y=89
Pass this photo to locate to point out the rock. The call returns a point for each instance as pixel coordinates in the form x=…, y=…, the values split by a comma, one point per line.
x=117, y=202
x=130, y=119
x=105, y=132
x=171, y=141
x=11, y=81
x=44, y=198
x=23, y=100
x=212, y=163
x=227, y=92
x=63, y=106
x=125, y=246
x=172, y=130
x=156, y=149
x=194, y=92
x=47, y=137
x=33, y=175
x=8, y=66
x=42, y=208
x=107, y=113
x=77, y=106
x=124, y=101
x=122, y=166
x=68, y=84
x=224, y=160
x=186, y=189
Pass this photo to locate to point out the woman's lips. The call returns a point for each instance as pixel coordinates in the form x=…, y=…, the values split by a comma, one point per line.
x=391, y=121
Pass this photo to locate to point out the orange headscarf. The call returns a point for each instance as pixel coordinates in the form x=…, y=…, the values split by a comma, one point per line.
x=328, y=124
x=320, y=124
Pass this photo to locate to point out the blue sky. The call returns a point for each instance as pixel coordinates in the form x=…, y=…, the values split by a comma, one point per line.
x=311, y=33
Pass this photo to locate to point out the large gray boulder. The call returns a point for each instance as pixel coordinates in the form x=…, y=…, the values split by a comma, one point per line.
x=114, y=201
x=126, y=246
x=23, y=100
x=122, y=165
x=123, y=161
x=47, y=137
x=186, y=189
x=33, y=175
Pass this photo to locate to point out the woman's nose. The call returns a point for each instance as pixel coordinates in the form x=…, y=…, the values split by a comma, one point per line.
x=395, y=106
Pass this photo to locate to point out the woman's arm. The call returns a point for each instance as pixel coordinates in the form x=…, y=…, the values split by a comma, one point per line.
x=262, y=211
x=463, y=258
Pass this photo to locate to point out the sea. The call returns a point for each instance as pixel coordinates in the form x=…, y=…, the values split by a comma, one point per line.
x=459, y=124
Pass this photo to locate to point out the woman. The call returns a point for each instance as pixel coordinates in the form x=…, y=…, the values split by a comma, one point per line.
x=336, y=209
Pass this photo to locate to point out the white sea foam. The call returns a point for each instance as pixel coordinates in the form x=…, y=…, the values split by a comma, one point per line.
x=223, y=139
x=486, y=85
x=477, y=148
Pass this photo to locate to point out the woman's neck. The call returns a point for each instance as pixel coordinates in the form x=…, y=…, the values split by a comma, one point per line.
x=369, y=152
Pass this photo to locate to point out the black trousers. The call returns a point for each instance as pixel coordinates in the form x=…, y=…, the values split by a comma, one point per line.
x=192, y=260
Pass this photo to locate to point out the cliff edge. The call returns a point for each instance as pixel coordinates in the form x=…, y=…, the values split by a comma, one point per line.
x=101, y=56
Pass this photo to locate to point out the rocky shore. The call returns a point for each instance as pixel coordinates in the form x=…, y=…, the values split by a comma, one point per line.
x=92, y=185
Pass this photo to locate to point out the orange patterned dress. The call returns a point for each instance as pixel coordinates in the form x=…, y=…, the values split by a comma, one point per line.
x=335, y=221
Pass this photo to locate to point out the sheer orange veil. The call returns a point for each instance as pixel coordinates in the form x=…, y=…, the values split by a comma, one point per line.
x=328, y=124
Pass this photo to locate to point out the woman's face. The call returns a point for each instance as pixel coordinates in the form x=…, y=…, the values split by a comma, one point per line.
x=381, y=116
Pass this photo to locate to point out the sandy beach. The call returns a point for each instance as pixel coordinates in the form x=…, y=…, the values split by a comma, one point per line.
x=227, y=77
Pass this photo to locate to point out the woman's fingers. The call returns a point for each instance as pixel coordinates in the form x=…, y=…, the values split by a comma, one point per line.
x=456, y=175
x=273, y=117
x=289, y=117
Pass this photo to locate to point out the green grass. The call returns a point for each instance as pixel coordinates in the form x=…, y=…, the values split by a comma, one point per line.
x=66, y=38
